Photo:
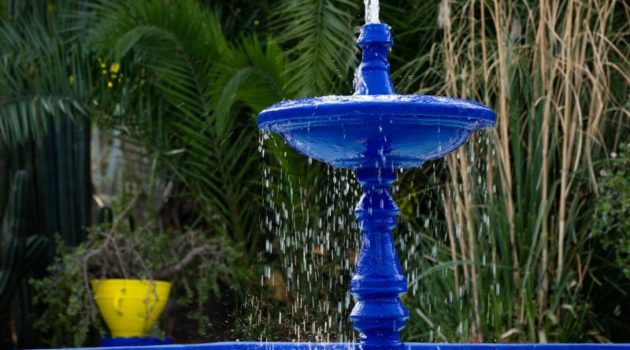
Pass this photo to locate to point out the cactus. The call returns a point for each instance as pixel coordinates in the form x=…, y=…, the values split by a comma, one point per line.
x=63, y=167
x=15, y=231
x=20, y=247
x=59, y=165
x=60, y=171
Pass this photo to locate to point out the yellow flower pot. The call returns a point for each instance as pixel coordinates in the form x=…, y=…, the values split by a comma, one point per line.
x=130, y=307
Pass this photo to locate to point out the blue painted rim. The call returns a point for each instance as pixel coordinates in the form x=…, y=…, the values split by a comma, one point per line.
x=355, y=346
x=407, y=109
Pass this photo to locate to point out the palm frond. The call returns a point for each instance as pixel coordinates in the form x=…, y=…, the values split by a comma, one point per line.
x=207, y=90
x=42, y=79
x=321, y=40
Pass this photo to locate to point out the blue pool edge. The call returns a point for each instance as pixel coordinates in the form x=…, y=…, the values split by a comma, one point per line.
x=355, y=346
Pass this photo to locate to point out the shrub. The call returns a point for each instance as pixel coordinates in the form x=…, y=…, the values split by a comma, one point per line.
x=611, y=222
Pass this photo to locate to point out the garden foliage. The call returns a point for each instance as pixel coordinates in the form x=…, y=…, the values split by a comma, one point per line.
x=611, y=222
x=501, y=241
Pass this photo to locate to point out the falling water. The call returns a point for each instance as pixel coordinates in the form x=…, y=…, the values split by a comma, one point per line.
x=311, y=246
x=371, y=11
x=313, y=240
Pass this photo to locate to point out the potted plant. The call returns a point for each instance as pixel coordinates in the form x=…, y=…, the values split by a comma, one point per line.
x=130, y=306
x=127, y=272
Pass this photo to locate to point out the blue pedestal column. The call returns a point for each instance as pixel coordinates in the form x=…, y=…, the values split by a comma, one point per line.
x=378, y=282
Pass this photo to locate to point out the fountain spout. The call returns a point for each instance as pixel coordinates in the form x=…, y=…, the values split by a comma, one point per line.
x=372, y=76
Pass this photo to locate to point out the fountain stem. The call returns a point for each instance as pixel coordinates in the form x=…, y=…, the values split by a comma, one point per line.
x=378, y=281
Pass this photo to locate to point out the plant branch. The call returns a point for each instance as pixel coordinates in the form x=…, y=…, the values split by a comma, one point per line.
x=186, y=260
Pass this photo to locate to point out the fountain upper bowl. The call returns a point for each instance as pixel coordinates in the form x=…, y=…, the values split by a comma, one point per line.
x=372, y=131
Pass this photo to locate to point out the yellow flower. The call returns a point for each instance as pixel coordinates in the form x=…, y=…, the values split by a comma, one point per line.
x=114, y=68
x=110, y=84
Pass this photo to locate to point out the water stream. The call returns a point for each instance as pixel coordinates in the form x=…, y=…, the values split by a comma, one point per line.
x=371, y=11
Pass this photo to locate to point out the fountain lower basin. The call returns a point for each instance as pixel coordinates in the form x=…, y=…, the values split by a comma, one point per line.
x=354, y=346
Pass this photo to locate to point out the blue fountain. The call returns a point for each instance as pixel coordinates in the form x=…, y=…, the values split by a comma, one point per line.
x=374, y=132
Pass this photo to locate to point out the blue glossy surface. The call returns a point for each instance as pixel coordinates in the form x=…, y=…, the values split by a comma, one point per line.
x=375, y=132
x=353, y=346
x=390, y=131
